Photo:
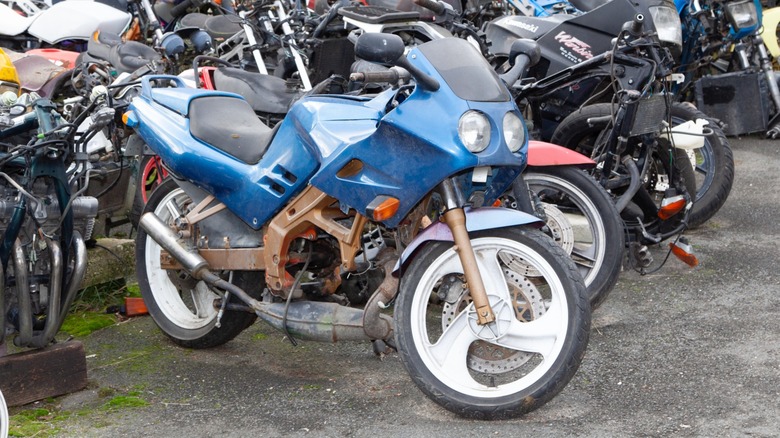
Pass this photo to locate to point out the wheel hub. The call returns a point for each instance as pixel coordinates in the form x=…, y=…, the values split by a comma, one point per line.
x=527, y=304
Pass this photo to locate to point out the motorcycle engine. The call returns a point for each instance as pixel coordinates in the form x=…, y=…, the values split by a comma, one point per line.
x=46, y=209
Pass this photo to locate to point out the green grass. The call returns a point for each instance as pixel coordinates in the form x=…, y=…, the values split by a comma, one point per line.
x=125, y=401
x=46, y=420
x=88, y=312
x=38, y=422
x=83, y=323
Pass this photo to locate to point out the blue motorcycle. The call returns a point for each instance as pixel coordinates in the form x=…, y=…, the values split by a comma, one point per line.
x=387, y=197
x=727, y=67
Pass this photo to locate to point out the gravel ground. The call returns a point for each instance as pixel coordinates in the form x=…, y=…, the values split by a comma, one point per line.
x=683, y=352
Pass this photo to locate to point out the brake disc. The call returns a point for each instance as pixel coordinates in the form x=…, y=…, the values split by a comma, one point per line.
x=528, y=304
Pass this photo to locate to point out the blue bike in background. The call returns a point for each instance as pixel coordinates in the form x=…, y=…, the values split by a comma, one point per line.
x=383, y=196
x=727, y=67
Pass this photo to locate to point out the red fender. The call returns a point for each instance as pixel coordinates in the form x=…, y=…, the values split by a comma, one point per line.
x=541, y=153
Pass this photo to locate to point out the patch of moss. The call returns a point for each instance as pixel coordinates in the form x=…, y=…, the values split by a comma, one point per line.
x=125, y=401
x=83, y=323
x=39, y=422
x=259, y=336
x=133, y=290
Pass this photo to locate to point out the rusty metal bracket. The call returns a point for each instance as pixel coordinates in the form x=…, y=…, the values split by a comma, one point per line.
x=199, y=212
x=311, y=208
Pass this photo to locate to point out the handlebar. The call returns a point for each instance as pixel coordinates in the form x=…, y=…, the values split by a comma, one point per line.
x=390, y=76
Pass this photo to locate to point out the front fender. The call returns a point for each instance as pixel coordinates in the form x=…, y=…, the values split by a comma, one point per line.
x=541, y=154
x=477, y=219
x=771, y=18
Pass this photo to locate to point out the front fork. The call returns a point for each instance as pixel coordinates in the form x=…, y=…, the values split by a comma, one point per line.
x=455, y=218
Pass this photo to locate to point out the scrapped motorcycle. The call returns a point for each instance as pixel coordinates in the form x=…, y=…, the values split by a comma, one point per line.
x=491, y=317
x=567, y=40
x=67, y=24
x=579, y=213
x=45, y=219
x=650, y=177
x=727, y=67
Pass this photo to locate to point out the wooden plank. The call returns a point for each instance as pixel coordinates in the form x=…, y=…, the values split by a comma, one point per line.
x=38, y=374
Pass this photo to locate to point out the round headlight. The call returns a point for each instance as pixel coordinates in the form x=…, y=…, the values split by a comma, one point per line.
x=474, y=131
x=514, y=132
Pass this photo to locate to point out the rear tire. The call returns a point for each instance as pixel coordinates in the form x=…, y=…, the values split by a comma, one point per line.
x=585, y=222
x=513, y=365
x=150, y=175
x=714, y=162
x=181, y=306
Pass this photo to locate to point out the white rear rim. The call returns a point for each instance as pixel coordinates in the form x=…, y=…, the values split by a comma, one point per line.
x=189, y=309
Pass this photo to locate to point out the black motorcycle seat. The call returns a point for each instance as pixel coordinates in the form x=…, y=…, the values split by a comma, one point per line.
x=100, y=48
x=221, y=27
x=131, y=56
x=229, y=124
x=125, y=57
x=266, y=94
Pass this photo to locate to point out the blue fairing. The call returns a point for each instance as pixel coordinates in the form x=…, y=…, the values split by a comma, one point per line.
x=414, y=149
x=251, y=191
x=404, y=153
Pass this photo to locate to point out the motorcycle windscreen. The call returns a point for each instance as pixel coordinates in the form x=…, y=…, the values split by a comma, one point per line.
x=465, y=70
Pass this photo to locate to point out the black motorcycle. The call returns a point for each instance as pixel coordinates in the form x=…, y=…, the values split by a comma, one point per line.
x=568, y=40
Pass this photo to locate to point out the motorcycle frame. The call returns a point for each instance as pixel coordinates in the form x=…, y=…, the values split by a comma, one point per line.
x=43, y=164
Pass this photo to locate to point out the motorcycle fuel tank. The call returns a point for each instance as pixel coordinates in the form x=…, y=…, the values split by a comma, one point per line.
x=77, y=20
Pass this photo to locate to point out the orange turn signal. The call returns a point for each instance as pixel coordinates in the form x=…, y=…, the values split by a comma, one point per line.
x=129, y=119
x=671, y=206
x=383, y=208
x=684, y=251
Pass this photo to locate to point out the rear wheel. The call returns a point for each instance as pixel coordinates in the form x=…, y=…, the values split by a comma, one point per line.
x=513, y=365
x=583, y=220
x=713, y=163
x=150, y=175
x=181, y=306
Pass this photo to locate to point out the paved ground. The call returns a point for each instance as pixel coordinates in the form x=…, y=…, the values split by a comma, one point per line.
x=678, y=353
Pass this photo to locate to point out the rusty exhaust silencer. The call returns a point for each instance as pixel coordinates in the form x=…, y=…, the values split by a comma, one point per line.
x=309, y=320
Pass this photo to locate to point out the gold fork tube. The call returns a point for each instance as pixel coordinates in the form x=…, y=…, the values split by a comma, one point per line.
x=456, y=221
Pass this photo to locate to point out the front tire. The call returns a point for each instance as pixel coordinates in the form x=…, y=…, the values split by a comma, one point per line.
x=713, y=165
x=181, y=306
x=582, y=219
x=511, y=366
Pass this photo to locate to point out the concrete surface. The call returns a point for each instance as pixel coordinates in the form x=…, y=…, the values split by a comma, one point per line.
x=678, y=353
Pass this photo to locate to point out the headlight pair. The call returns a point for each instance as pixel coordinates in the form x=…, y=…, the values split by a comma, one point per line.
x=474, y=131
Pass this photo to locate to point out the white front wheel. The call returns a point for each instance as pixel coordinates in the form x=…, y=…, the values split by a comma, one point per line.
x=513, y=365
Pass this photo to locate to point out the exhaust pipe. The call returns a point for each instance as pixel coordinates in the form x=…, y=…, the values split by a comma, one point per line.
x=196, y=265
x=318, y=321
x=308, y=320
